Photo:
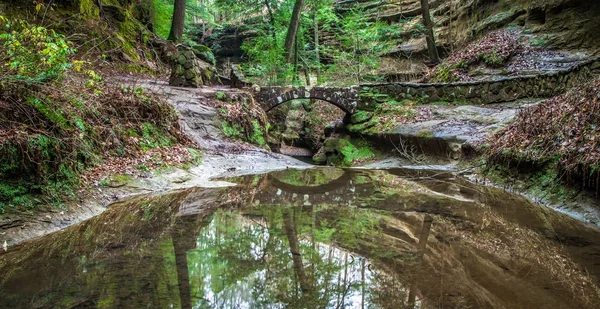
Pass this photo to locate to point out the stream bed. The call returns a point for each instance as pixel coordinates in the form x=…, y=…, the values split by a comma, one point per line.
x=314, y=238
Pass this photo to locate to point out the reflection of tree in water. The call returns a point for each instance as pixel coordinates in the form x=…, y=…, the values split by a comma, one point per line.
x=272, y=256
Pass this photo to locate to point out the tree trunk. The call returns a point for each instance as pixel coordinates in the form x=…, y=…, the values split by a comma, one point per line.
x=271, y=19
x=292, y=236
x=178, y=21
x=317, y=55
x=434, y=58
x=296, y=77
x=293, y=31
x=183, y=275
x=421, y=246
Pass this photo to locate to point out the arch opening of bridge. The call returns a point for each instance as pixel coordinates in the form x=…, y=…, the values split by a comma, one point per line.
x=344, y=98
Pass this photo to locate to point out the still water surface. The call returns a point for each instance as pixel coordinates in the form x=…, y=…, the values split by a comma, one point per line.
x=317, y=238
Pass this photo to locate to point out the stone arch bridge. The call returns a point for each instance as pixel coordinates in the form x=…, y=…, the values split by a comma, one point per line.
x=366, y=97
x=345, y=98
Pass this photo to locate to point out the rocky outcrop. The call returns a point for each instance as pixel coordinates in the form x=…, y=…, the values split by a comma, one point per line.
x=226, y=42
x=188, y=70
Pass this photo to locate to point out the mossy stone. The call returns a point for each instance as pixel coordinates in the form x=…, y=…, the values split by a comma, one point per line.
x=361, y=116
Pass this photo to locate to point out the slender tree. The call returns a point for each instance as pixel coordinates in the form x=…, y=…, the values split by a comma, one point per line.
x=290, y=37
x=316, y=39
x=271, y=18
x=434, y=58
x=178, y=21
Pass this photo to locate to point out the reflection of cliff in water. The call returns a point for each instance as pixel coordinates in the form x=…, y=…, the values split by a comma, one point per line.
x=314, y=238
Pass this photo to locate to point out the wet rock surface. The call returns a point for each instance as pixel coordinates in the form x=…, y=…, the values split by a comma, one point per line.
x=456, y=131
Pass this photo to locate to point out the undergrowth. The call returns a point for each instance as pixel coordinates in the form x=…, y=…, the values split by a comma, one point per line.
x=242, y=118
x=58, y=119
x=561, y=132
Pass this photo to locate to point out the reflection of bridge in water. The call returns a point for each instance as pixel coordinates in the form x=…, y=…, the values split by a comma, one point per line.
x=342, y=190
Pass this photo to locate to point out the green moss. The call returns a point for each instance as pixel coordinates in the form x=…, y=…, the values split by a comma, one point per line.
x=444, y=70
x=114, y=181
x=542, y=182
x=352, y=151
x=88, y=8
x=539, y=40
x=53, y=113
x=319, y=158
x=205, y=53
x=425, y=134
x=361, y=116
x=196, y=155
x=385, y=118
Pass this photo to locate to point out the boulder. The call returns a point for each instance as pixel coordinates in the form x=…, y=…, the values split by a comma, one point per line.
x=187, y=70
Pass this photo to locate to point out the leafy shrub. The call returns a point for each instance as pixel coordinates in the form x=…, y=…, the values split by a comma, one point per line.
x=32, y=54
x=493, y=59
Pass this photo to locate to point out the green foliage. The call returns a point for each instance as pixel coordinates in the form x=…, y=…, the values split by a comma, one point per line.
x=243, y=119
x=354, y=59
x=88, y=8
x=162, y=16
x=142, y=167
x=258, y=136
x=418, y=30
x=391, y=32
x=220, y=95
x=493, y=59
x=47, y=174
x=154, y=137
x=233, y=131
x=76, y=128
x=31, y=53
x=361, y=47
x=356, y=226
x=12, y=194
x=268, y=58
